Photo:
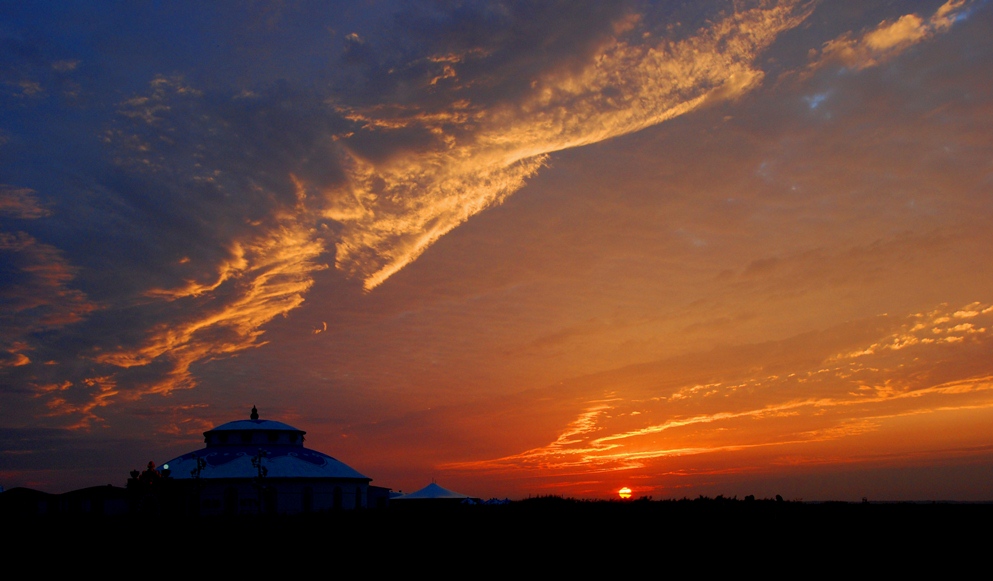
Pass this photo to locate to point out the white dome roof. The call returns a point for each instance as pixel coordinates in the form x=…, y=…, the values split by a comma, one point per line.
x=231, y=447
x=432, y=491
x=256, y=425
x=279, y=461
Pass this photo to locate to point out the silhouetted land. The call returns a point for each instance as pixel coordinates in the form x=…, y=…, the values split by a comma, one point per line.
x=703, y=528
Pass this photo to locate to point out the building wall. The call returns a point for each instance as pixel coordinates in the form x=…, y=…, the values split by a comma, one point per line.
x=283, y=496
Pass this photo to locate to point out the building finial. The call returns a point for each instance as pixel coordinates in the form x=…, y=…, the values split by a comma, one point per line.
x=255, y=413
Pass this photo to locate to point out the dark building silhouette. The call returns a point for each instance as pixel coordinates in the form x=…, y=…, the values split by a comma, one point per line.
x=259, y=466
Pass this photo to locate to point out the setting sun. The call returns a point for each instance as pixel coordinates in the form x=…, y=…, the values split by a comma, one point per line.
x=624, y=493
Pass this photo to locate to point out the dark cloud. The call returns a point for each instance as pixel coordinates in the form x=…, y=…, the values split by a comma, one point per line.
x=165, y=203
x=20, y=203
x=193, y=172
x=457, y=60
x=36, y=296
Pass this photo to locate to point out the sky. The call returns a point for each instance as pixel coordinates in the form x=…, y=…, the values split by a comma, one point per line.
x=518, y=248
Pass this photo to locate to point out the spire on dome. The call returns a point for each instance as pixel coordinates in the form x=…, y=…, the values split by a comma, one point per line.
x=255, y=413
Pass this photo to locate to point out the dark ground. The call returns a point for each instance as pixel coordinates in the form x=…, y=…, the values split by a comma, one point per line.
x=545, y=533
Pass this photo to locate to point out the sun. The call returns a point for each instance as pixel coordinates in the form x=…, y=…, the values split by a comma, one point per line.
x=624, y=493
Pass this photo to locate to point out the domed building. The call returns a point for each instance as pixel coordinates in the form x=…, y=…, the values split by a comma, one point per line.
x=255, y=465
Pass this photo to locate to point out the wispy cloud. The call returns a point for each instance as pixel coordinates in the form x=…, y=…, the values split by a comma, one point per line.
x=397, y=208
x=78, y=402
x=21, y=203
x=269, y=277
x=37, y=296
x=804, y=405
x=938, y=326
x=889, y=38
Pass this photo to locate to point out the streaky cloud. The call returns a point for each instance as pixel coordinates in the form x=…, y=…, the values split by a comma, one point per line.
x=396, y=208
x=270, y=276
x=36, y=297
x=844, y=396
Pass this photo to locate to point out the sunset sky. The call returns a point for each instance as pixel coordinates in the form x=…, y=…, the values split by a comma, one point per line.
x=521, y=248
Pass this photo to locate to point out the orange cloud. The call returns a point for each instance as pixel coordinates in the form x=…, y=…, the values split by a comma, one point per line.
x=923, y=325
x=20, y=203
x=888, y=39
x=395, y=209
x=268, y=277
x=894, y=379
x=79, y=400
x=38, y=297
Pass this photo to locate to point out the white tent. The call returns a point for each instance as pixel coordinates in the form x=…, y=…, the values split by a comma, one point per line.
x=432, y=492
